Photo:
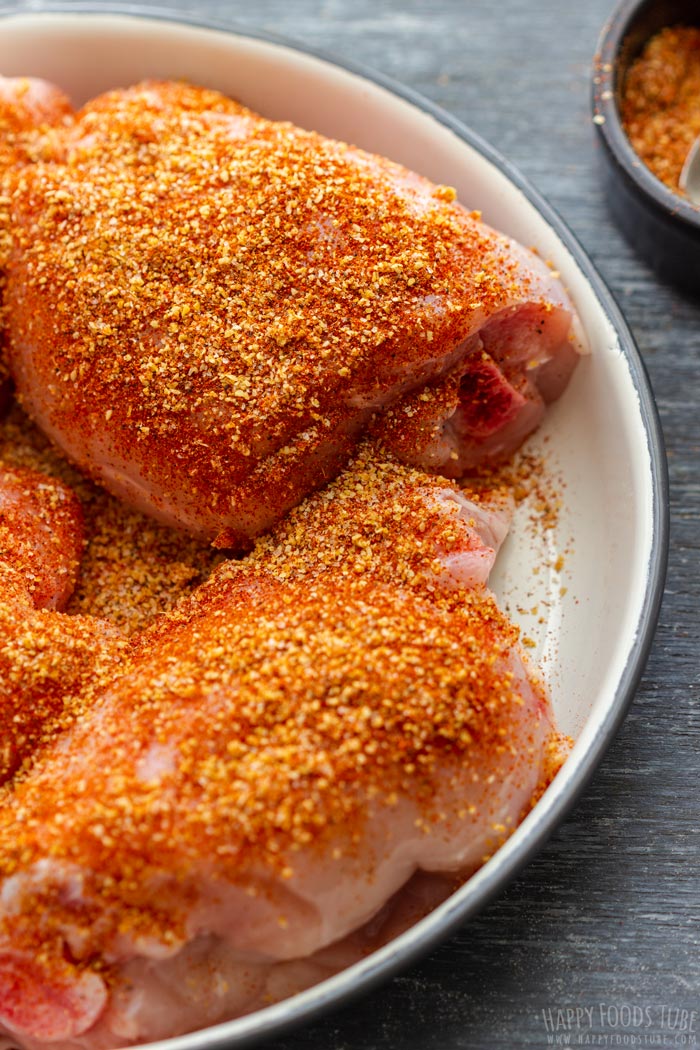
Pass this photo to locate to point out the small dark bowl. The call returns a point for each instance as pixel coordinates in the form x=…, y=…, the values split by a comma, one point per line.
x=661, y=225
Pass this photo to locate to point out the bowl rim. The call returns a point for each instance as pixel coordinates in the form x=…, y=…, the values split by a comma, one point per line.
x=606, y=116
x=415, y=943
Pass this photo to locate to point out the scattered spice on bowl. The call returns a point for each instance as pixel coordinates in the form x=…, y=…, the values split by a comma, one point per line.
x=660, y=103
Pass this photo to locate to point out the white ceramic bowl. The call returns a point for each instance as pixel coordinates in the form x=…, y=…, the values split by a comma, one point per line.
x=603, y=437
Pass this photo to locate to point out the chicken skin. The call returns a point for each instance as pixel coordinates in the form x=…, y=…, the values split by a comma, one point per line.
x=280, y=755
x=206, y=310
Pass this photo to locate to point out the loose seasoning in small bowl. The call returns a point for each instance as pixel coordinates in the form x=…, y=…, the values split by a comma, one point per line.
x=646, y=108
x=660, y=101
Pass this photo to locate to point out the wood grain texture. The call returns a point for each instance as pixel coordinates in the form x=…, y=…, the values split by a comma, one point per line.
x=608, y=912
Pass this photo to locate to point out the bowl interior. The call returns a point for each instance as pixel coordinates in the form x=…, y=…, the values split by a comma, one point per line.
x=588, y=617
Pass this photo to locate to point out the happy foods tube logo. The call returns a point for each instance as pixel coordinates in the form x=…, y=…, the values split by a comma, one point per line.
x=620, y=1025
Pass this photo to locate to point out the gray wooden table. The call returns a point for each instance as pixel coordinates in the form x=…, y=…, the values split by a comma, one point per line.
x=606, y=918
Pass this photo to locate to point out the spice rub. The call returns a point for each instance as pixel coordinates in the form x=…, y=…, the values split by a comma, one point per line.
x=660, y=103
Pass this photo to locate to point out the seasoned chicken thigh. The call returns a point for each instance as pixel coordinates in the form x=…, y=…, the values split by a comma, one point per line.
x=283, y=751
x=206, y=309
x=41, y=536
x=46, y=658
x=27, y=105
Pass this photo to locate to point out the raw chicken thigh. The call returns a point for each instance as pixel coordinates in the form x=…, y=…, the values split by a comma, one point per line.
x=400, y=526
x=46, y=658
x=206, y=309
x=41, y=536
x=27, y=105
x=277, y=758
